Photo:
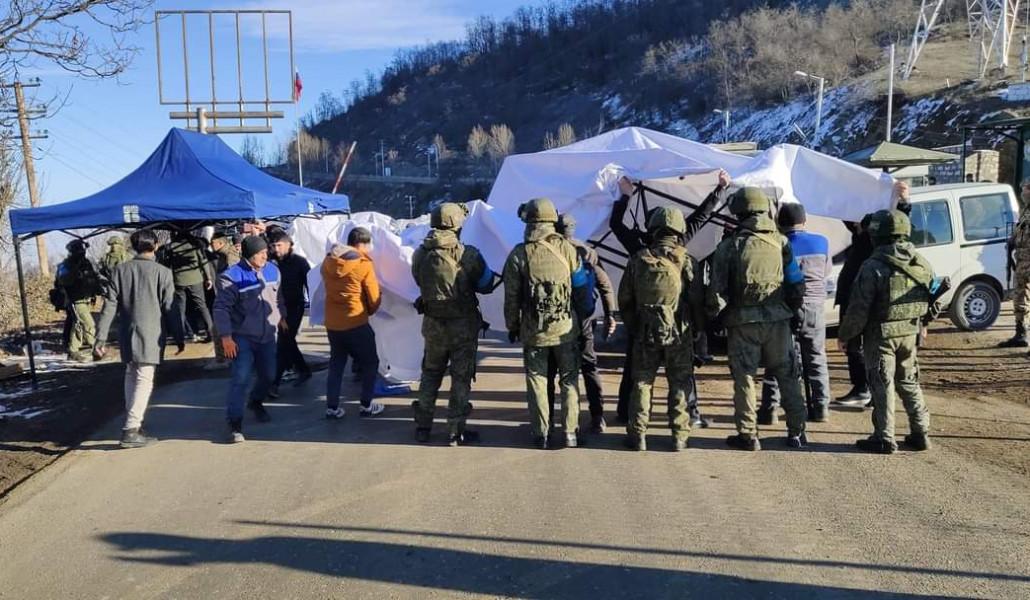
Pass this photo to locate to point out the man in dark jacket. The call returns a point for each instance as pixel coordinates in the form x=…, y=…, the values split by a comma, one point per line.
x=142, y=293
x=294, y=272
x=190, y=269
x=634, y=240
x=860, y=250
x=77, y=278
x=248, y=311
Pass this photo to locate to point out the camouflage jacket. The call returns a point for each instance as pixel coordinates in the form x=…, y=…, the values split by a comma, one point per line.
x=867, y=305
x=517, y=312
x=726, y=279
x=1021, y=240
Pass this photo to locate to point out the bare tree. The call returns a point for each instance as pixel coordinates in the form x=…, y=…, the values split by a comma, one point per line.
x=550, y=141
x=58, y=32
x=10, y=178
x=327, y=107
x=566, y=135
x=442, y=151
x=502, y=143
x=478, y=142
x=253, y=151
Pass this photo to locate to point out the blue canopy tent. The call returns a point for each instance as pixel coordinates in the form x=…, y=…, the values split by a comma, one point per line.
x=190, y=180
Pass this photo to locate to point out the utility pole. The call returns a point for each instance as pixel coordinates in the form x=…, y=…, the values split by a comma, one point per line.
x=816, y=137
x=890, y=95
x=30, y=168
x=411, y=206
x=725, y=123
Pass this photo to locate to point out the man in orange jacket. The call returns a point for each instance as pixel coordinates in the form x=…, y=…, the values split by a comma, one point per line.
x=351, y=297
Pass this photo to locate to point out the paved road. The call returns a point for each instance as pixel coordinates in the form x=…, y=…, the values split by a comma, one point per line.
x=355, y=509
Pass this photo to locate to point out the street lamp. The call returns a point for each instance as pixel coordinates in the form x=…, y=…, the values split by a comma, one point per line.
x=816, y=138
x=725, y=123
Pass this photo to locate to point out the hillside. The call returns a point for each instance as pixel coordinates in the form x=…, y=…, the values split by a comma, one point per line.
x=663, y=64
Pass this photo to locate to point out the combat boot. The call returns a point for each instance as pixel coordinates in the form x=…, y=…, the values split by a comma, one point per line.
x=768, y=416
x=818, y=414
x=920, y=442
x=1017, y=341
x=679, y=444
x=634, y=442
x=877, y=446
x=135, y=438
x=422, y=435
x=739, y=441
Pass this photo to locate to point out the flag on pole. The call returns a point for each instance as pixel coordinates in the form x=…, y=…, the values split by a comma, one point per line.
x=297, y=86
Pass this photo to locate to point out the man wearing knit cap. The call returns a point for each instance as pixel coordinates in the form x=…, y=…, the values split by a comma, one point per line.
x=812, y=252
x=248, y=311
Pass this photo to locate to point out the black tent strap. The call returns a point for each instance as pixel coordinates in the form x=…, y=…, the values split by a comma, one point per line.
x=612, y=249
x=716, y=216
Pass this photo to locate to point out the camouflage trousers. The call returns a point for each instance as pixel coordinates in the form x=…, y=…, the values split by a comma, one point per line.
x=679, y=370
x=83, y=329
x=1021, y=292
x=451, y=346
x=751, y=345
x=566, y=358
x=893, y=368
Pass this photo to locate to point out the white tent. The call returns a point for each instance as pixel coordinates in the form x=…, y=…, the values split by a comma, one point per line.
x=582, y=179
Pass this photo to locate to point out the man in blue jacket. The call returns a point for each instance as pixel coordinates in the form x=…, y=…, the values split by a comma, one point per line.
x=812, y=251
x=248, y=311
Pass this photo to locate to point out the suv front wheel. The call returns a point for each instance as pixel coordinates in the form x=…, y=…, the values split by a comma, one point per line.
x=975, y=306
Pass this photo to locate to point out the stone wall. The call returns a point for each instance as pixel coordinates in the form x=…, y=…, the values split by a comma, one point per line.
x=982, y=165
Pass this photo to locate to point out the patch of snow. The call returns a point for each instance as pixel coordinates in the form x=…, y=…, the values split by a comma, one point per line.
x=615, y=107
x=25, y=413
x=916, y=113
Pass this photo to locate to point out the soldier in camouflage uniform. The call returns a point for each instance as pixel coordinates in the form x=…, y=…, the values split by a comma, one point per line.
x=448, y=274
x=1020, y=247
x=116, y=254
x=756, y=289
x=539, y=277
x=661, y=302
x=890, y=297
x=79, y=281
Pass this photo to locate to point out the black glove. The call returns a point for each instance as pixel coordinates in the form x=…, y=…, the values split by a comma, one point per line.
x=513, y=336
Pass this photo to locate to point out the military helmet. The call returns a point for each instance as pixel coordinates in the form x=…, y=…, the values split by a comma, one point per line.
x=886, y=224
x=76, y=247
x=448, y=215
x=538, y=210
x=666, y=217
x=748, y=200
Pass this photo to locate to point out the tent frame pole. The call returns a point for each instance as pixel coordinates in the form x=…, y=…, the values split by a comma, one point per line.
x=25, y=313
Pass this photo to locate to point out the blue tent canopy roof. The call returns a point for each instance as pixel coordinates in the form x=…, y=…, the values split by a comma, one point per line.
x=189, y=177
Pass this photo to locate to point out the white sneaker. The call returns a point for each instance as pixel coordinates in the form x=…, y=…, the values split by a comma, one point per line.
x=335, y=413
x=372, y=409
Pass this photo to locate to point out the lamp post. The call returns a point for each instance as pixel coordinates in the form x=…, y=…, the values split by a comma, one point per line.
x=725, y=123
x=816, y=137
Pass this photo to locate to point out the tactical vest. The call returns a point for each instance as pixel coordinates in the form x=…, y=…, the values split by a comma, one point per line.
x=549, y=286
x=658, y=289
x=444, y=282
x=78, y=279
x=758, y=269
x=903, y=299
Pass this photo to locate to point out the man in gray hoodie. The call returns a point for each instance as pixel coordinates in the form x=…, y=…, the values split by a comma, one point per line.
x=141, y=290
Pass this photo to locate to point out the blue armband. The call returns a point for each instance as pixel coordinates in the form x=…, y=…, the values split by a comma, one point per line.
x=580, y=277
x=484, y=282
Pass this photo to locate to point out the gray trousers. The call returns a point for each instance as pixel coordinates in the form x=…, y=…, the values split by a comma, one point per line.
x=810, y=342
x=139, y=383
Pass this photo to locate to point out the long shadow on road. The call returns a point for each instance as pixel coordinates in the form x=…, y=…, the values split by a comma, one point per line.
x=463, y=571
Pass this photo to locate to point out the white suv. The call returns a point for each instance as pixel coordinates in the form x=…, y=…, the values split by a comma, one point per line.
x=962, y=229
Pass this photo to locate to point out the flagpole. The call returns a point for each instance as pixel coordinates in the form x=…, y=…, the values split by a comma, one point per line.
x=296, y=102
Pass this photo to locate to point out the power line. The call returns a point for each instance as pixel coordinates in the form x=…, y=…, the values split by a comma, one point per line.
x=76, y=169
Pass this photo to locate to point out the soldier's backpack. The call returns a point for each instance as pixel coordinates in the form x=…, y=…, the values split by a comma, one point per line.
x=658, y=287
x=549, y=283
x=758, y=272
x=446, y=290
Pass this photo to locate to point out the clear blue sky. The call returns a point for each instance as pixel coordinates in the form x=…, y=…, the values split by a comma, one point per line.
x=107, y=128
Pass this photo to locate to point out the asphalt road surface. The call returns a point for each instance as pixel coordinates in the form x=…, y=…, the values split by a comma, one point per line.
x=356, y=509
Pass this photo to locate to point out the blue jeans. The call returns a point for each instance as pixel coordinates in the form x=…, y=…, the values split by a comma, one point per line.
x=251, y=357
x=360, y=345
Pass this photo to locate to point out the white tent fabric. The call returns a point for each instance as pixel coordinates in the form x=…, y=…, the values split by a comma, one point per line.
x=582, y=179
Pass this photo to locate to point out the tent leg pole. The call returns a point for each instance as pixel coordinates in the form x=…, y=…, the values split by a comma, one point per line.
x=25, y=313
